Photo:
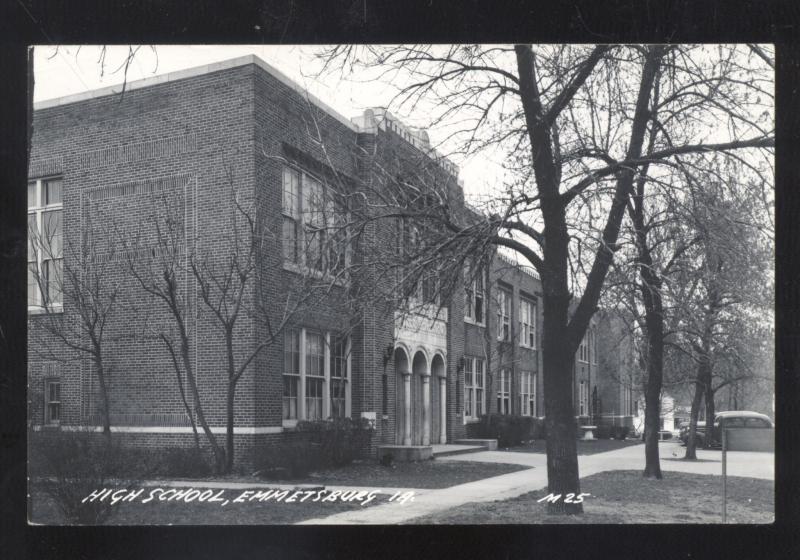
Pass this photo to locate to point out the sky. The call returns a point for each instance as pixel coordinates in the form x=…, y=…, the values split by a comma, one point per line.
x=70, y=69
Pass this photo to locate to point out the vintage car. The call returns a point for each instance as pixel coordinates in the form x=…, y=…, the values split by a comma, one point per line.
x=726, y=420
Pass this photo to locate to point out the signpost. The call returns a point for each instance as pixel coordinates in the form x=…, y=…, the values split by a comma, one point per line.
x=724, y=475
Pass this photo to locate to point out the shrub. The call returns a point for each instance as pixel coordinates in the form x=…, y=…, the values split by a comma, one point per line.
x=75, y=465
x=539, y=430
x=185, y=462
x=314, y=445
x=621, y=432
x=508, y=429
x=604, y=432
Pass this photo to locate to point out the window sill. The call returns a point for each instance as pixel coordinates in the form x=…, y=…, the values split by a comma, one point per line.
x=289, y=424
x=471, y=321
x=39, y=310
x=527, y=347
x=471, y=420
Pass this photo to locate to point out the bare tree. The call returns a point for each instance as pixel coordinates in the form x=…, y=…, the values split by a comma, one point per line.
x=573, y=123
x=76, y=293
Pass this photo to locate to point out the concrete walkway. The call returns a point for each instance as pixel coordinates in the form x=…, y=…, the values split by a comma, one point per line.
x=755, y=465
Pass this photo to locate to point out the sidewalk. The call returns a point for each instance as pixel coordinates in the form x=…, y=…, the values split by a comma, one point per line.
x=755, y=465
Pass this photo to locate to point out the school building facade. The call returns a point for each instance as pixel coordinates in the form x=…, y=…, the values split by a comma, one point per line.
x=180, y=141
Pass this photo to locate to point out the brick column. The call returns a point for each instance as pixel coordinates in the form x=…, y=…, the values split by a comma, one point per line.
x=442, y=409
x=426, y=410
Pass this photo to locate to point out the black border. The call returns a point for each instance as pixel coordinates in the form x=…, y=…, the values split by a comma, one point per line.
x=23, y=22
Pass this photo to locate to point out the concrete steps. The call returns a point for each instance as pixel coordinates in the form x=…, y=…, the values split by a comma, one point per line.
x=461, y=446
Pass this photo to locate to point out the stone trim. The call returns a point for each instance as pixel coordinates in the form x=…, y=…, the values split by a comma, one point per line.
x=45, y=166
x=129, y=153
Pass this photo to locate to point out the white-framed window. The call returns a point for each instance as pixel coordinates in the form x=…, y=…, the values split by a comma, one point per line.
x=583, y=398
x=314, y=374
x=52, y=405
x=503, y=315
x=628, y=404
x=316, y=378
x=527, y=393
x=313, y=227
x=474, y=308
x=504, y=391
x=45, y=242
x=527, y=323
x=291, y=373
x=474, y=387
x=339, y=359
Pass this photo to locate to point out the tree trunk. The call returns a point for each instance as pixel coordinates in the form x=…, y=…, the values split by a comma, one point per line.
x=699, y=391
x=105, y=414
x=710, y=412
x=562, y=453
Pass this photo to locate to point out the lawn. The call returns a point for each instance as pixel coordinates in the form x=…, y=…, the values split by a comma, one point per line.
x=626, y=497
x=585, y=447
x=422, y=474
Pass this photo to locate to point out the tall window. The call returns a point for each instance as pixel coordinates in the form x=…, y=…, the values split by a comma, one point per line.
x=291, y=373
x=474, y=290
x=583, y=395
x=527, y=323
x=473, y=388
x=504, y=392
x=338, y=377
x=315, y=375
x=313, y=229
x=45, y=242
x=583, y=349
x=527, y=393
x=52, y=391
x=503, y=315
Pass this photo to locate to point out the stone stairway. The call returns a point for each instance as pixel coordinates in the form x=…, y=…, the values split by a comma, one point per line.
x=464, y=446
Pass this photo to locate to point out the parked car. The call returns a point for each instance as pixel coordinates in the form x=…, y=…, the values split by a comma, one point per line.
x=700, y=432
x=724, y=420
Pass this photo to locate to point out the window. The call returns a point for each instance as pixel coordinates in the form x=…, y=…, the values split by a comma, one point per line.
x=527, y=393
x=473, y=388
x=474, y=291
x=315, y=375
x=504, y=392
x=756, y=423
x=291, y=373
x=627, y=401
x=52, y=391
x=45, y=242
x=313, y=230
x=339, y=353
x=503, y=315
x=527, y=323
x=583, y=349
x=583, y=394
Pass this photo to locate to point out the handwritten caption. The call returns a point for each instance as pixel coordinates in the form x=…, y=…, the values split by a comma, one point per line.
x=223, y=497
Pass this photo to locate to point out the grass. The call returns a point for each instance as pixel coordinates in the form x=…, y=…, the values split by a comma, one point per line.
x=585, y=447
x=423, y=474
x=626, y=497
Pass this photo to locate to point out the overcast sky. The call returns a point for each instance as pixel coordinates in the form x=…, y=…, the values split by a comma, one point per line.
x=70, y=69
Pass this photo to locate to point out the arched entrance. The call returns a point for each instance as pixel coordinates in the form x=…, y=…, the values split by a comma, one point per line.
x=402, y=372
x=438, y=407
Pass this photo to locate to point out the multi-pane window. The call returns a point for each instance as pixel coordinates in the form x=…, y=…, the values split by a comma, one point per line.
x=291, y=373
x=527, y=323
x=473, y=387
x=474, y=290
x=45, y=242
x=52, y=391
x=583, y=349
x=627, y=400
x=338, y=377
x=503, y=315
x=527, y=393
x=315, y=375
x=583, y=398
x=313, y=229
x=504, y=392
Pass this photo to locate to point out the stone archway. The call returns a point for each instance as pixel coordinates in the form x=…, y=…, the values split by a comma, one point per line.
x=420, y=399
x=402, y=382
x=438, y=400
